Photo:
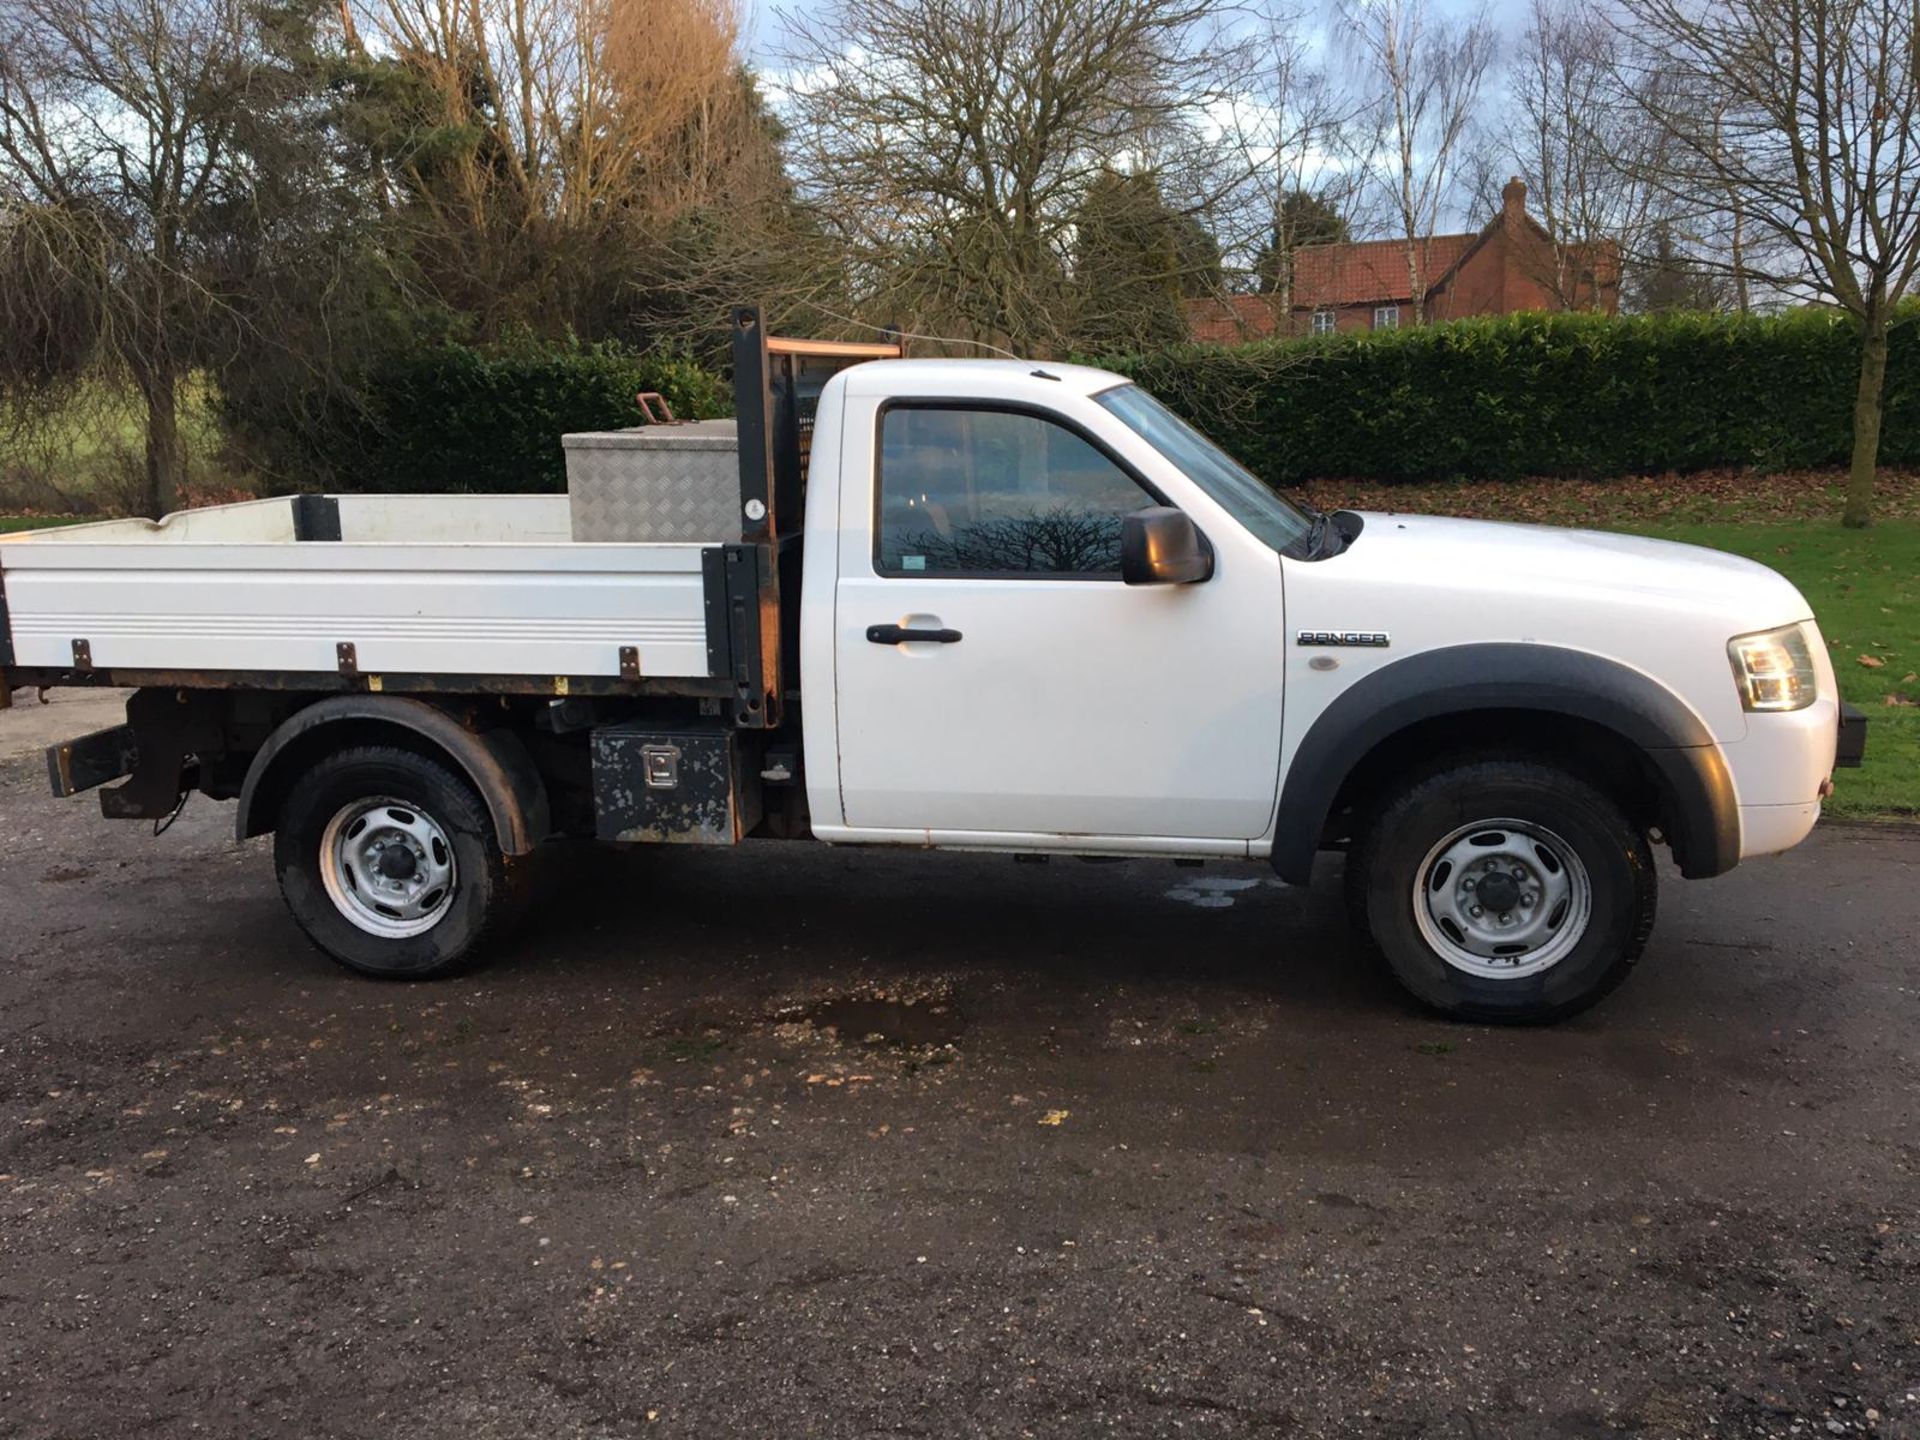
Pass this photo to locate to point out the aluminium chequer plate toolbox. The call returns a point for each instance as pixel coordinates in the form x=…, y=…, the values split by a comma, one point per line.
x=655, y=484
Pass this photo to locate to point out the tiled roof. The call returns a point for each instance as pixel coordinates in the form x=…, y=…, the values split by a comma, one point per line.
x=1365, y=272
x=1230, y=319
x=1369, y=270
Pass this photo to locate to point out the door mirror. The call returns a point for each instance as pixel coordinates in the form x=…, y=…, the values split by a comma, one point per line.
x=1161, y=546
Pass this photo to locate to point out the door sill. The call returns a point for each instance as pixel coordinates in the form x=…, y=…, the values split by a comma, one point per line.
x=1039, y=842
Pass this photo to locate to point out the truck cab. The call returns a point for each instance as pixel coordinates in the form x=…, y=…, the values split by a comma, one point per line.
x=970, y=604
x=1003, y=675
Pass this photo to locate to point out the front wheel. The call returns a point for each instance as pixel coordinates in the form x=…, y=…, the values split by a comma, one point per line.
x=1503, y=890
x=388, y=861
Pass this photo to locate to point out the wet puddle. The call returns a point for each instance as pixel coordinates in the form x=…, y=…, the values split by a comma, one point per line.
x=861, y=1020
x=1211, y=892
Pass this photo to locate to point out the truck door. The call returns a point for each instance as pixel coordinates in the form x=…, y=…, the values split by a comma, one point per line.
x=994, y=675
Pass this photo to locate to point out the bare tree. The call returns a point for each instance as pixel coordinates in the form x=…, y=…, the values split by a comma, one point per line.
x=547, y=133
x=1581, y=154
x=1427, y=71
x=116, y=125
x=948, y=144
x=1306, y=148
x=1807, y=114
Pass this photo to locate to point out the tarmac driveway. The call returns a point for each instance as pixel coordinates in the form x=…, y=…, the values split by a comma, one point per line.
x=793, y=1141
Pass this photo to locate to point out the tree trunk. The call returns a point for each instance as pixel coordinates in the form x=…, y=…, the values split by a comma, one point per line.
x=1866, y=422
x=166, y=459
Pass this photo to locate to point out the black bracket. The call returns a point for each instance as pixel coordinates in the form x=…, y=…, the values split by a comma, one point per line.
x=6, y=632
x=316, y=517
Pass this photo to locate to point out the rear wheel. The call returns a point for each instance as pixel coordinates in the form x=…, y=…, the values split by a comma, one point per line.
x=1504, y=890
x=389, y=863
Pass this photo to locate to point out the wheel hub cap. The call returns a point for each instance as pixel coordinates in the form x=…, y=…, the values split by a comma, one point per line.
x=388, y=867
x=397, y=862
x=1499, y=891
x=1502, y=899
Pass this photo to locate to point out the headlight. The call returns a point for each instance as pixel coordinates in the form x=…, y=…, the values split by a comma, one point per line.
x=1773, y=669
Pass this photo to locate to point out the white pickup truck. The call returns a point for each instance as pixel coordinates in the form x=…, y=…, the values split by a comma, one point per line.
x=971, y=605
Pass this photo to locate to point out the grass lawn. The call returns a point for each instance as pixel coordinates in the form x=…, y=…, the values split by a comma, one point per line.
x=9, y=524
x=86, y=454
x=1864, y=586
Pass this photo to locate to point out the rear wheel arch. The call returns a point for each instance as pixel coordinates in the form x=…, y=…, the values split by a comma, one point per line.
x=494, y=762
x=1615, y=725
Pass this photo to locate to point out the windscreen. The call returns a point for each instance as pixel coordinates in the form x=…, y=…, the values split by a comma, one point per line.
x=1227, y=482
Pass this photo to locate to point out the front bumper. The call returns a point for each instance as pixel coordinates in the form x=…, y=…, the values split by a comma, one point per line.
x=1784, y=768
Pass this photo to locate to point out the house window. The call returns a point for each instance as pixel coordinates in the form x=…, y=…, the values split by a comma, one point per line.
x=1386, y=317
x=1323, y=322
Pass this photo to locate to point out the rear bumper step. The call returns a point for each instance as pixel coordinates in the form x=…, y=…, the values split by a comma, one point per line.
x=92, y=760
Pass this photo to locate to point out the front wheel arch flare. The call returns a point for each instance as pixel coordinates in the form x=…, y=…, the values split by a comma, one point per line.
x=494, y=762
x=1696, y=788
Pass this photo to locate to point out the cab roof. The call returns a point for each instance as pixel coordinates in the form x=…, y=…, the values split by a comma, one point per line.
x=944, y=377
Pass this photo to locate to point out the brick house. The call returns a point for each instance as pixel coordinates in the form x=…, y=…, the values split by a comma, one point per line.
x=1508, y=265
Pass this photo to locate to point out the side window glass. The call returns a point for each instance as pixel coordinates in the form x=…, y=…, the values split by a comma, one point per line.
x=973, y=492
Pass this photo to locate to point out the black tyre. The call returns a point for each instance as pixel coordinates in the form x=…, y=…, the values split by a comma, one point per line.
x=1503, y=890
x=389, y=863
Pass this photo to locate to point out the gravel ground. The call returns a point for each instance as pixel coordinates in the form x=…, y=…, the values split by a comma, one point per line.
x=792, y=1141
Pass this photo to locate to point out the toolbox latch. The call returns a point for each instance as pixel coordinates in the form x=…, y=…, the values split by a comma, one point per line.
x=661, y=765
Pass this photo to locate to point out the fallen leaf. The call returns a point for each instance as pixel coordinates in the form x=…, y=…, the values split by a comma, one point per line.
x=1872, y=662
x=1909, y=678
x=314, y=1159
x=1055, y=1117
x=1903, y=701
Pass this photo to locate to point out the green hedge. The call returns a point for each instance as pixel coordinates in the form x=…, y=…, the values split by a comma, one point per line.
x=1520, y=395
x=454, y=417
x=1549, y=395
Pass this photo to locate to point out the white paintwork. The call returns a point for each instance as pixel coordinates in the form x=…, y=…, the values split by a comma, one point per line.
x=488, y=585
x=1664, y=609
x=455, y=519
x=1076, y=715
x=1072, y=709
x=262, y=521
x=931, y=750
x=1769, y=829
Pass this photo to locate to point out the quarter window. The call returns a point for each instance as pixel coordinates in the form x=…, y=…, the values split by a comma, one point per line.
x=997, y=492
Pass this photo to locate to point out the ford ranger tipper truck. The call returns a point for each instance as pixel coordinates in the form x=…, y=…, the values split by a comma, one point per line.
x=963, y=605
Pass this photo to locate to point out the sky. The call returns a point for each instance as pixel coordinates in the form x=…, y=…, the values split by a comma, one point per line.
x=763, y=26
x=760, y=25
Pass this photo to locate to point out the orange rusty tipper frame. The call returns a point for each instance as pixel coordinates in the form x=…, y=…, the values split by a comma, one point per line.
x=776, y=385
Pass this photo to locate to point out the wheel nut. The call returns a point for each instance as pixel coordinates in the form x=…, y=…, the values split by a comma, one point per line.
x=1474, y=910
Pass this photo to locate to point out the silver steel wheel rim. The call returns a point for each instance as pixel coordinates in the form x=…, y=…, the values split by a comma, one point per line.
x=388, y=867
x=1502, y=899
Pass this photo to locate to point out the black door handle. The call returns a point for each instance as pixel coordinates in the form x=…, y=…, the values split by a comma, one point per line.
x=899, y=635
